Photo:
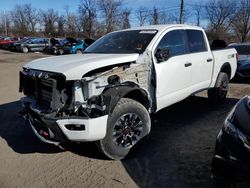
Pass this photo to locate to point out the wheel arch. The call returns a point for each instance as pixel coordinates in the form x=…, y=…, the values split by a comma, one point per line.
x=140, y=96
x=226, y=68
x=129, y=90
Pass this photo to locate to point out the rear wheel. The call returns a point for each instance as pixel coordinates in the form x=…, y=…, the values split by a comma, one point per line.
x=60, y=52
x=79, y=51
x=127, y=124
x=25, y=49
x=219, y=92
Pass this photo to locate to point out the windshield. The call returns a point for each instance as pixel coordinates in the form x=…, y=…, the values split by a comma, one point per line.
x=134, y=41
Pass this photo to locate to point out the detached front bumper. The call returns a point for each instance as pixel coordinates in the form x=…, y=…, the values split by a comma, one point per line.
x=58, y=130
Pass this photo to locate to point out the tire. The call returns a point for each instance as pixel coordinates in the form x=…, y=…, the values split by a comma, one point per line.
x=25, y=49
x=78, y=51
x=122, y=134
x=60, y=52
x=219, y=92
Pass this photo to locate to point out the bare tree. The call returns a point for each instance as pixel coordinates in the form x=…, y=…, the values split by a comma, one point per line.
x=61, y=26
x=31, y=16
x=110, y=10
x=220, y=14
x=5, y=23
x=173, y=16
x=24, y=18
x=198, y=10
x=164, y=17
x=153, y=17
x=49, y=19
x=71, y=22
x=142, y=15
x=241, y=23
x=125, y=19
x=20, y=20
x=87, y=15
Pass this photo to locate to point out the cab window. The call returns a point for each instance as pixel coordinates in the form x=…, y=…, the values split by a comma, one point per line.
x=196, y=41
x=175, y=42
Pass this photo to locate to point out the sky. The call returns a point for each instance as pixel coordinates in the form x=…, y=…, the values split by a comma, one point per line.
x=59, y=5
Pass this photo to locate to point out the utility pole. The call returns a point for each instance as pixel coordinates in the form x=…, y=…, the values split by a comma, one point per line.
x=5, y=23
x=181, y=12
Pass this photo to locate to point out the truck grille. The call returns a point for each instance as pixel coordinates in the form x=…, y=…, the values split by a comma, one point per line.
x=40, y=88
x=45, y=92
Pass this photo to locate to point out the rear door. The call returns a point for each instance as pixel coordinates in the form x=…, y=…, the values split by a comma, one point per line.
x=41, y=44
x=38, y=44
x=201, y=59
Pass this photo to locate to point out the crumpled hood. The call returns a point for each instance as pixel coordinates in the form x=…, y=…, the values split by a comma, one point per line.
x=75, y=66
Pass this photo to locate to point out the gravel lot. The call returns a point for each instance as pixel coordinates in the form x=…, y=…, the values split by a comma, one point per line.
x=177, y=153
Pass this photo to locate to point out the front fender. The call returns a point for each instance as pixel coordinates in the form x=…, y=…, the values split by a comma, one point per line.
x=113, y=94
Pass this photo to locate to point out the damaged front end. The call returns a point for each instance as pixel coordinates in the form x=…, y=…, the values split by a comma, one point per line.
x=60, y=110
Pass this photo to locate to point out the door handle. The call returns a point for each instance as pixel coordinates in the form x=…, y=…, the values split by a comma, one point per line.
x=209, y=60
x=188, y=64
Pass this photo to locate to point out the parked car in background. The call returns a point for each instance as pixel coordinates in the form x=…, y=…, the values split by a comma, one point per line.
x=73, y=46
x=243, y=64
x=231, y=162
x=243, y=68
x=67, y=46
x=6, y=41
x=33, y=45
x=56, y=46
x=12, y=45
x=243, y=50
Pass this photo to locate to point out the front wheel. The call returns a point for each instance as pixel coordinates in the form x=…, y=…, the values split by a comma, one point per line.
x=219, y=92
x=127, y=124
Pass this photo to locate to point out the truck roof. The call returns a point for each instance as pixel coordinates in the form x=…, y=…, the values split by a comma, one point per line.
x=163, y=27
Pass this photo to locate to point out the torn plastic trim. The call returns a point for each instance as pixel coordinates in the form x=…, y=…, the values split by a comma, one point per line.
x=103, y=104
x=135, y=73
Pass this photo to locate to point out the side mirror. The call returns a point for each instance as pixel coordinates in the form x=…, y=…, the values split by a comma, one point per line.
x=162, y=54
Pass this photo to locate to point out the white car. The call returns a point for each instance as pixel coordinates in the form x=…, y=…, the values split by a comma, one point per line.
x=107, y=93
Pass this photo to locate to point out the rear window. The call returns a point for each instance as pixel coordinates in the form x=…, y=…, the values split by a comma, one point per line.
x=196, y=41
x=242, y=50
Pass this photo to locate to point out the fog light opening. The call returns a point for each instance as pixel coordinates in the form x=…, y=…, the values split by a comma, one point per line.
x=75, y=127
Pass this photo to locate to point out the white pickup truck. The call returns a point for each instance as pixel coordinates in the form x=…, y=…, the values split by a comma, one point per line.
x=107, y=93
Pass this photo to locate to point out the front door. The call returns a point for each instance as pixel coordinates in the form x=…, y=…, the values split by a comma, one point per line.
x=173, y=75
